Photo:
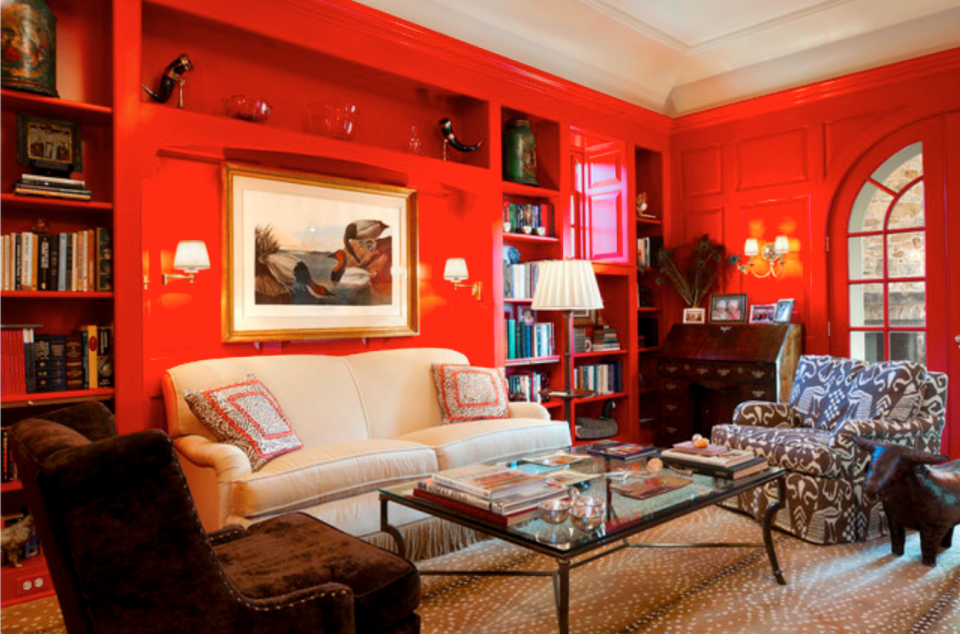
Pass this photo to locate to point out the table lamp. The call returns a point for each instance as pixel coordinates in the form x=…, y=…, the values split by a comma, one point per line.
x=567, y=285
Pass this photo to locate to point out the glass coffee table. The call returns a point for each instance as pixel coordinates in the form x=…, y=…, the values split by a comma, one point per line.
x=625, y=516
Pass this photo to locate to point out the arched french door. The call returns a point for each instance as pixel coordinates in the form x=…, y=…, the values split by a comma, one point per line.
x=893, y=279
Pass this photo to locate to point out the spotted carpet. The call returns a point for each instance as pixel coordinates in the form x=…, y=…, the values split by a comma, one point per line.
x=840, y=589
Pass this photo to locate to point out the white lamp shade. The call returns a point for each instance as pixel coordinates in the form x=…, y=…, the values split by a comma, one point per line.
x=781, y=245
x=191, y=256
x=567, y=285
x=751, y=247
x=455, y=270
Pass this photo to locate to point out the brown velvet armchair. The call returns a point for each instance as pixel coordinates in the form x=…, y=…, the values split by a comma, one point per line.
x=127, y=552
x=834, y=400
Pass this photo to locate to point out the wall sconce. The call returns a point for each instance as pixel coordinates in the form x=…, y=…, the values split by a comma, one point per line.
x=456, y=271
x=191, y=257
x=771, y=252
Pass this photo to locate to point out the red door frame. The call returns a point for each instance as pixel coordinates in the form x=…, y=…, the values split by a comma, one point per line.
x=932, y=133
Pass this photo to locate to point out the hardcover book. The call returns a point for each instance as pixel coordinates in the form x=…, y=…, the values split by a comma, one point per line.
x=621, y=450
x=488, y=481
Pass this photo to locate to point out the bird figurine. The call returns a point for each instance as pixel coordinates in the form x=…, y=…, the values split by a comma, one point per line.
x=13, y=537
x=366, y=231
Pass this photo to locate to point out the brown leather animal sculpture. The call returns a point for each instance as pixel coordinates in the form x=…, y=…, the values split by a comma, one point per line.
x=915, y=494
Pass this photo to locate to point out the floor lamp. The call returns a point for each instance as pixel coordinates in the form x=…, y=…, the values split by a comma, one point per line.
x=567, y=285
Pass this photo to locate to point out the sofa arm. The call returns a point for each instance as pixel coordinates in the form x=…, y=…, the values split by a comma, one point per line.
x=908, y=433
x=766, y=414
x=227, y=460
x=521, y=409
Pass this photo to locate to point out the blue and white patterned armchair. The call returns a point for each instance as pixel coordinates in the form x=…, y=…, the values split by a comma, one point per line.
x=834, y=399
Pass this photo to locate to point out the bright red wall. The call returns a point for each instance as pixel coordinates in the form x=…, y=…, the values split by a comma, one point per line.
x=399, y=75
x=774, y=165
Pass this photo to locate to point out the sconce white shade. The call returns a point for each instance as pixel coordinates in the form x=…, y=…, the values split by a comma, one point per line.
x=455, y=270
x=751, y=247
x=567, y=285
x=191, y=256
x=781, y=245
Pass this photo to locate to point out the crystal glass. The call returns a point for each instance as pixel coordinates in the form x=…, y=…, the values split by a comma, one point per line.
x=247, y=107
x=333, y=119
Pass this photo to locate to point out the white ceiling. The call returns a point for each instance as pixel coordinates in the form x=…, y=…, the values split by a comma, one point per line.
x=682, y=56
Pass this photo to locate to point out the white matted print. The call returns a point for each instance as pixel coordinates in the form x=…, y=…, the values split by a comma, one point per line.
x=315, y=257
x=762, y=313
x=694, y=316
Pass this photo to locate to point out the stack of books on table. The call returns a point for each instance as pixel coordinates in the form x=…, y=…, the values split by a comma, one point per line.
x=495, y=494
x=621, y=450
x=52, y=187
x=714, y=460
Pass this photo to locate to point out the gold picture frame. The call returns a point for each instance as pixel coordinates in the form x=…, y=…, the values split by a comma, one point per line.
x=311, y=257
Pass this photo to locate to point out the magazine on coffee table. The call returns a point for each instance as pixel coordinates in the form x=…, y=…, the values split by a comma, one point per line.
x=649, y=486
x=620, y=450
x=557, y=459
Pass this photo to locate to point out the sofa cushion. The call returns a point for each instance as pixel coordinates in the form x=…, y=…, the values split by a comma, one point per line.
x=890, y=390
x=304, y=552
x=246, y=415
x=820, y=388
x=802, y=450
x=468, y=393
x=329, y=472
x=492, y=440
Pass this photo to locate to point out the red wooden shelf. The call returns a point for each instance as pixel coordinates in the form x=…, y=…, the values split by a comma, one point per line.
x=648, y=309
x=54, y=204
x=529, y=191
x=600, y=397
x=10, y=487
x=531, y=361
x=612, y=268
x=648, y=350
x=57, y=294
x=599, y=353
x=51, y=106
x=523, y=237
x=649, y=221
x=50, y=398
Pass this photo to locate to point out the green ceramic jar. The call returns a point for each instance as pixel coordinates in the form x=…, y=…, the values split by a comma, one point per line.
x=519, y=153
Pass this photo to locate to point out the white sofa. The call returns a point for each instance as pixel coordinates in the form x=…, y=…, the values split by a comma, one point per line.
x=366, y=420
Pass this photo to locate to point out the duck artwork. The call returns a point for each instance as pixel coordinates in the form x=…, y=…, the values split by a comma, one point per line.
x=306, y=267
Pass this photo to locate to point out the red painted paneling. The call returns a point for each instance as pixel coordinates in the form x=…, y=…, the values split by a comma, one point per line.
x=701, y=172
x=840, y=134
x=775, y=159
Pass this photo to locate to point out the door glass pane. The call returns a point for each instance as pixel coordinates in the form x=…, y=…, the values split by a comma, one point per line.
x=906, y=254
x=866, y=345
x=901, y=168
x=866, y=305
x=865, y=257
x=907, y=305
x=869, y=209
x=908, y=346
x=908, y=212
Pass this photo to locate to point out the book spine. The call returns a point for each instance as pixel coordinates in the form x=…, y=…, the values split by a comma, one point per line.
x=53, y=192
x=62, y=261
x=104, y=266
x=91, y=260
x=41, y=358
x=18, y=262
x=105, y=357
x=454, y=494
x=43, y=278
x=707, y=468
x=55, y=180
x=28, y=370
x=93, y=347
x=460, y=486
x=73, y=351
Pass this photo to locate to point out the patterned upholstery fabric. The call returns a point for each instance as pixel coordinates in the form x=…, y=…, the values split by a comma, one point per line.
x=247, y=415
x=470, y=393
x=886, y=390
x=812, y=437
x=820, y=388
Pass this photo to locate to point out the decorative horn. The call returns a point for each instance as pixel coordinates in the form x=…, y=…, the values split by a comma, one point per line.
x=446, y=126
x=171, y=77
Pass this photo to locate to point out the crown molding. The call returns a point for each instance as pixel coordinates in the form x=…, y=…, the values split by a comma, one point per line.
x=854, y=82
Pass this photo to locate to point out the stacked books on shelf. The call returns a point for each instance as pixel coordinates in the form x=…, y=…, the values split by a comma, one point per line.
x=600, y=378
x=520, y=280
x=38, y=362
x=527, y=386
x=526, y=218
x=78, y=261
x=529, y=339
x=605, y=338
x=621, y=450
x=495, y=494
x=648, y=249
x=581, y=340
x=9, y=470
x=714, y=460
x=51, y=187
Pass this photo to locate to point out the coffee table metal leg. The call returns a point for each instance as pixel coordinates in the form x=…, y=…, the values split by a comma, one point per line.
x=562, y=590
x=391, y=530
x=768, y=517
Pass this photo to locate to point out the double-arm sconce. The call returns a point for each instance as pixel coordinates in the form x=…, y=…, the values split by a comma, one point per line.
x=191, y=257
x=456, y=271
x=771, y=252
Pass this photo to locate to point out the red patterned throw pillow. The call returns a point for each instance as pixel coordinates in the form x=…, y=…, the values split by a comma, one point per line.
x=248, y=416
x=468, y=393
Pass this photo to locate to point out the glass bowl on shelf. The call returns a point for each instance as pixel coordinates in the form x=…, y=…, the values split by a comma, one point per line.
x=247, y=107
x=333, y=119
